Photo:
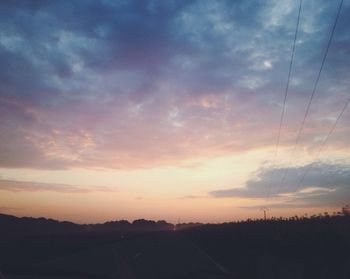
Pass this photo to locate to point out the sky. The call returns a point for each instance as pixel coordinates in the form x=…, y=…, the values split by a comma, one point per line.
x=170, y=109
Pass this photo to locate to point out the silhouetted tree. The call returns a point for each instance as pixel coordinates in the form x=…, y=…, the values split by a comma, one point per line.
x=346, y=210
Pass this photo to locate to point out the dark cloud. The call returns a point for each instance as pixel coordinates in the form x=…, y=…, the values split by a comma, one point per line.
x=121, y=84
x=31, y=186
x=323, y=184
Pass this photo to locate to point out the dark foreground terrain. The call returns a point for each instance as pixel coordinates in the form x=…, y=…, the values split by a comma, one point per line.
x=296, y=248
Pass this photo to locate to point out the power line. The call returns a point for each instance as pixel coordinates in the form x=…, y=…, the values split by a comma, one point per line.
x=286, y=93
x=322, y=145
x=288, y=80
x=312, y=95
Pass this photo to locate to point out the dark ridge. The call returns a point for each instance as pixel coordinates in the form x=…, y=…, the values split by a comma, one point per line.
x=12, y=224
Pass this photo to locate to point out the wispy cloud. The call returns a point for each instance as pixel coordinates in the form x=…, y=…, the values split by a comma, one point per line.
x=6, y=209
x=30, y=186
x=191, y=197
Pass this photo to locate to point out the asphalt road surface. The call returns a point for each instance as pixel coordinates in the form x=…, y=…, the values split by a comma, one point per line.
x=165, y=255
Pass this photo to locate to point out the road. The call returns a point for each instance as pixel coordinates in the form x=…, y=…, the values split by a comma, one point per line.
x=161, y=255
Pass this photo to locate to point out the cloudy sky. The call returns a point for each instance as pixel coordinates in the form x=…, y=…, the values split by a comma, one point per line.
x=170, y=109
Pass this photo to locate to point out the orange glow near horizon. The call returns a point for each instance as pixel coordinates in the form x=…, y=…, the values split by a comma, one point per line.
x=169, y=193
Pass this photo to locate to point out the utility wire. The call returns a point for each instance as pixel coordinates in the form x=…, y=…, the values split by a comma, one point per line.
x=312, y=96
x=285, y=95
x=288, y=81
x=322, y=145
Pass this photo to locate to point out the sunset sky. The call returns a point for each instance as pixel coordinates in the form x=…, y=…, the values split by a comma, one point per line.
x=170, y=109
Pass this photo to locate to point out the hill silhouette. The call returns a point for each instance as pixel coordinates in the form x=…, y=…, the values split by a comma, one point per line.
x=12, y=224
